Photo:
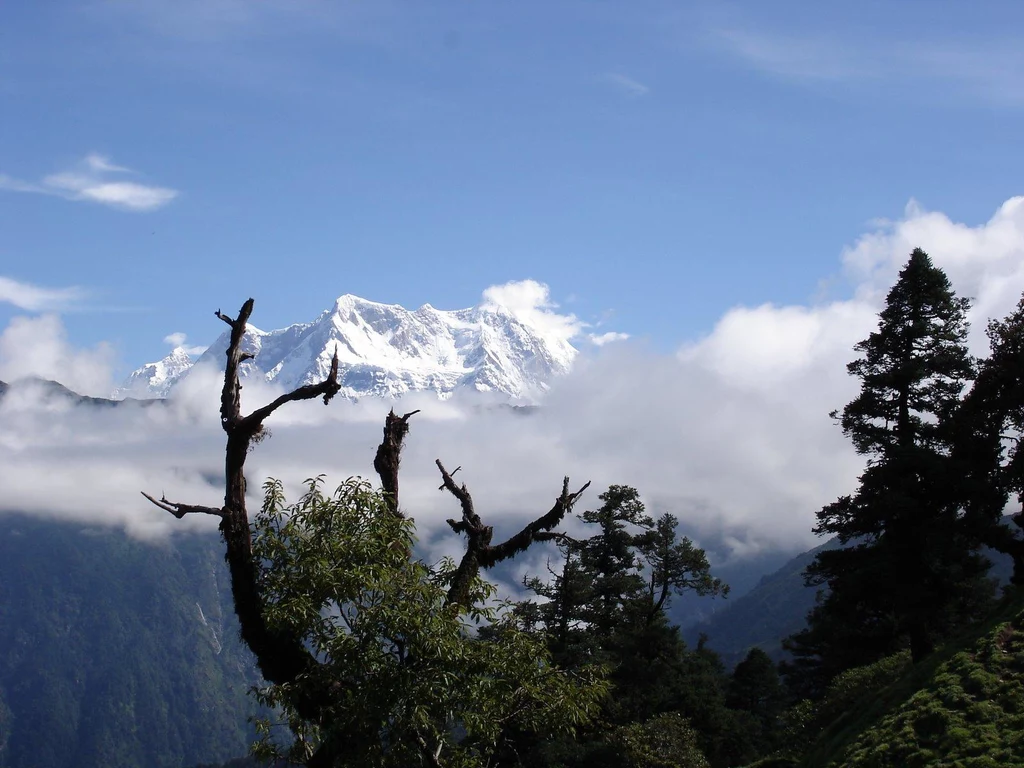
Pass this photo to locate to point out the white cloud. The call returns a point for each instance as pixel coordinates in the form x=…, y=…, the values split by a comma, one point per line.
x=530, y=302
x=600, y=339
x=731, y=434
x=177, y=341
x=90, y=181
x=626, y=84
x=985, y=262
x=35, y=298
x=38, y=347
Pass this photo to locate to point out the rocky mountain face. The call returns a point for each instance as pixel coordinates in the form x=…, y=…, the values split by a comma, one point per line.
x=386, y=350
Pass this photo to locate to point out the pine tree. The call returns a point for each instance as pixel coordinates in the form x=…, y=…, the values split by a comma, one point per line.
x=608, y=605
x=987, y=443
x=909, y=570
x=609, y=558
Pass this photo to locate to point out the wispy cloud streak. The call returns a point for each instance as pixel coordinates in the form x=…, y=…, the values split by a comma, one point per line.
x=993, y=73
x=94, y=179
x=625, y=84
x=34, y=298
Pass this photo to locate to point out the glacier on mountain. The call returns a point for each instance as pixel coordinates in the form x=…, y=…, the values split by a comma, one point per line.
x=386, y=350
x=156, y=379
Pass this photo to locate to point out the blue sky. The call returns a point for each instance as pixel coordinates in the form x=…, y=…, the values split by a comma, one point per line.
x=655, y=164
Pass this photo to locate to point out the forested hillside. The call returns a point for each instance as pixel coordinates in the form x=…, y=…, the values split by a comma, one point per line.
x=116, y=653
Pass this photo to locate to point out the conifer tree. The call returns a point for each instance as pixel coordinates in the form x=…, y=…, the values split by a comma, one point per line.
x=608, y=604
x=987, y=443
x=909, y=569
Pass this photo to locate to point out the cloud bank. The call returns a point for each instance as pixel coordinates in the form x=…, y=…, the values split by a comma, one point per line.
x=38, y=347
x=731, y=433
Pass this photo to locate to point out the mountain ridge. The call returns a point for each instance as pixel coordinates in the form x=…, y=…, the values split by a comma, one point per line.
x=386, y=350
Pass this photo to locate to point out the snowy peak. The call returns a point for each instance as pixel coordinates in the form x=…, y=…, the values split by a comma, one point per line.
x=156, y=379
x=386, y=350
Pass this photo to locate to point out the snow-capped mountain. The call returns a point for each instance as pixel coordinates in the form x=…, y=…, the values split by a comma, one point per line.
x=156, y=379
x=386, y=350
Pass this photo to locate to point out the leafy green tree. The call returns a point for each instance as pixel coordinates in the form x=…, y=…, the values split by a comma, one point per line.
x=411, y=683
x=673, y=565
x=610, y=559
x=560, y=615
x=910, y=569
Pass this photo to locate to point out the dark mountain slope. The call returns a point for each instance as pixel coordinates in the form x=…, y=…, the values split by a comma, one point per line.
x=53, y=390
x=116, y=653
x=777, y=607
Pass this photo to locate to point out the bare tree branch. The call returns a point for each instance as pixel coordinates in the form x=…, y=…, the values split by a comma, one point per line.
x=327, y=388
x=518, y=543
x=225, y=318
x=479, y=551
x=180, y=510
x=469, y=516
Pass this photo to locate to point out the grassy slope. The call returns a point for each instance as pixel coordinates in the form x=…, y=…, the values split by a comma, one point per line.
x=963, y=707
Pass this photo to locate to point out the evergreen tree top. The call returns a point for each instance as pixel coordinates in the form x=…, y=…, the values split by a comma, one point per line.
x=914, y=367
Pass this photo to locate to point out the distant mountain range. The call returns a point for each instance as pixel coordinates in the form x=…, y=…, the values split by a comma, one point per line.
x=386, y=350
x=46, y=390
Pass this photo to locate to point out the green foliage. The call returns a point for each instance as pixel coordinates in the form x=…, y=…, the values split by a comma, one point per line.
x=854, y=684
x=665, y=741
x=410, y=679
x=804, y=721
x=990, y=464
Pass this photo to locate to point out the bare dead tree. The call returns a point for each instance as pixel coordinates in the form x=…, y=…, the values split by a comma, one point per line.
x=281, y=656
x=388, y=457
